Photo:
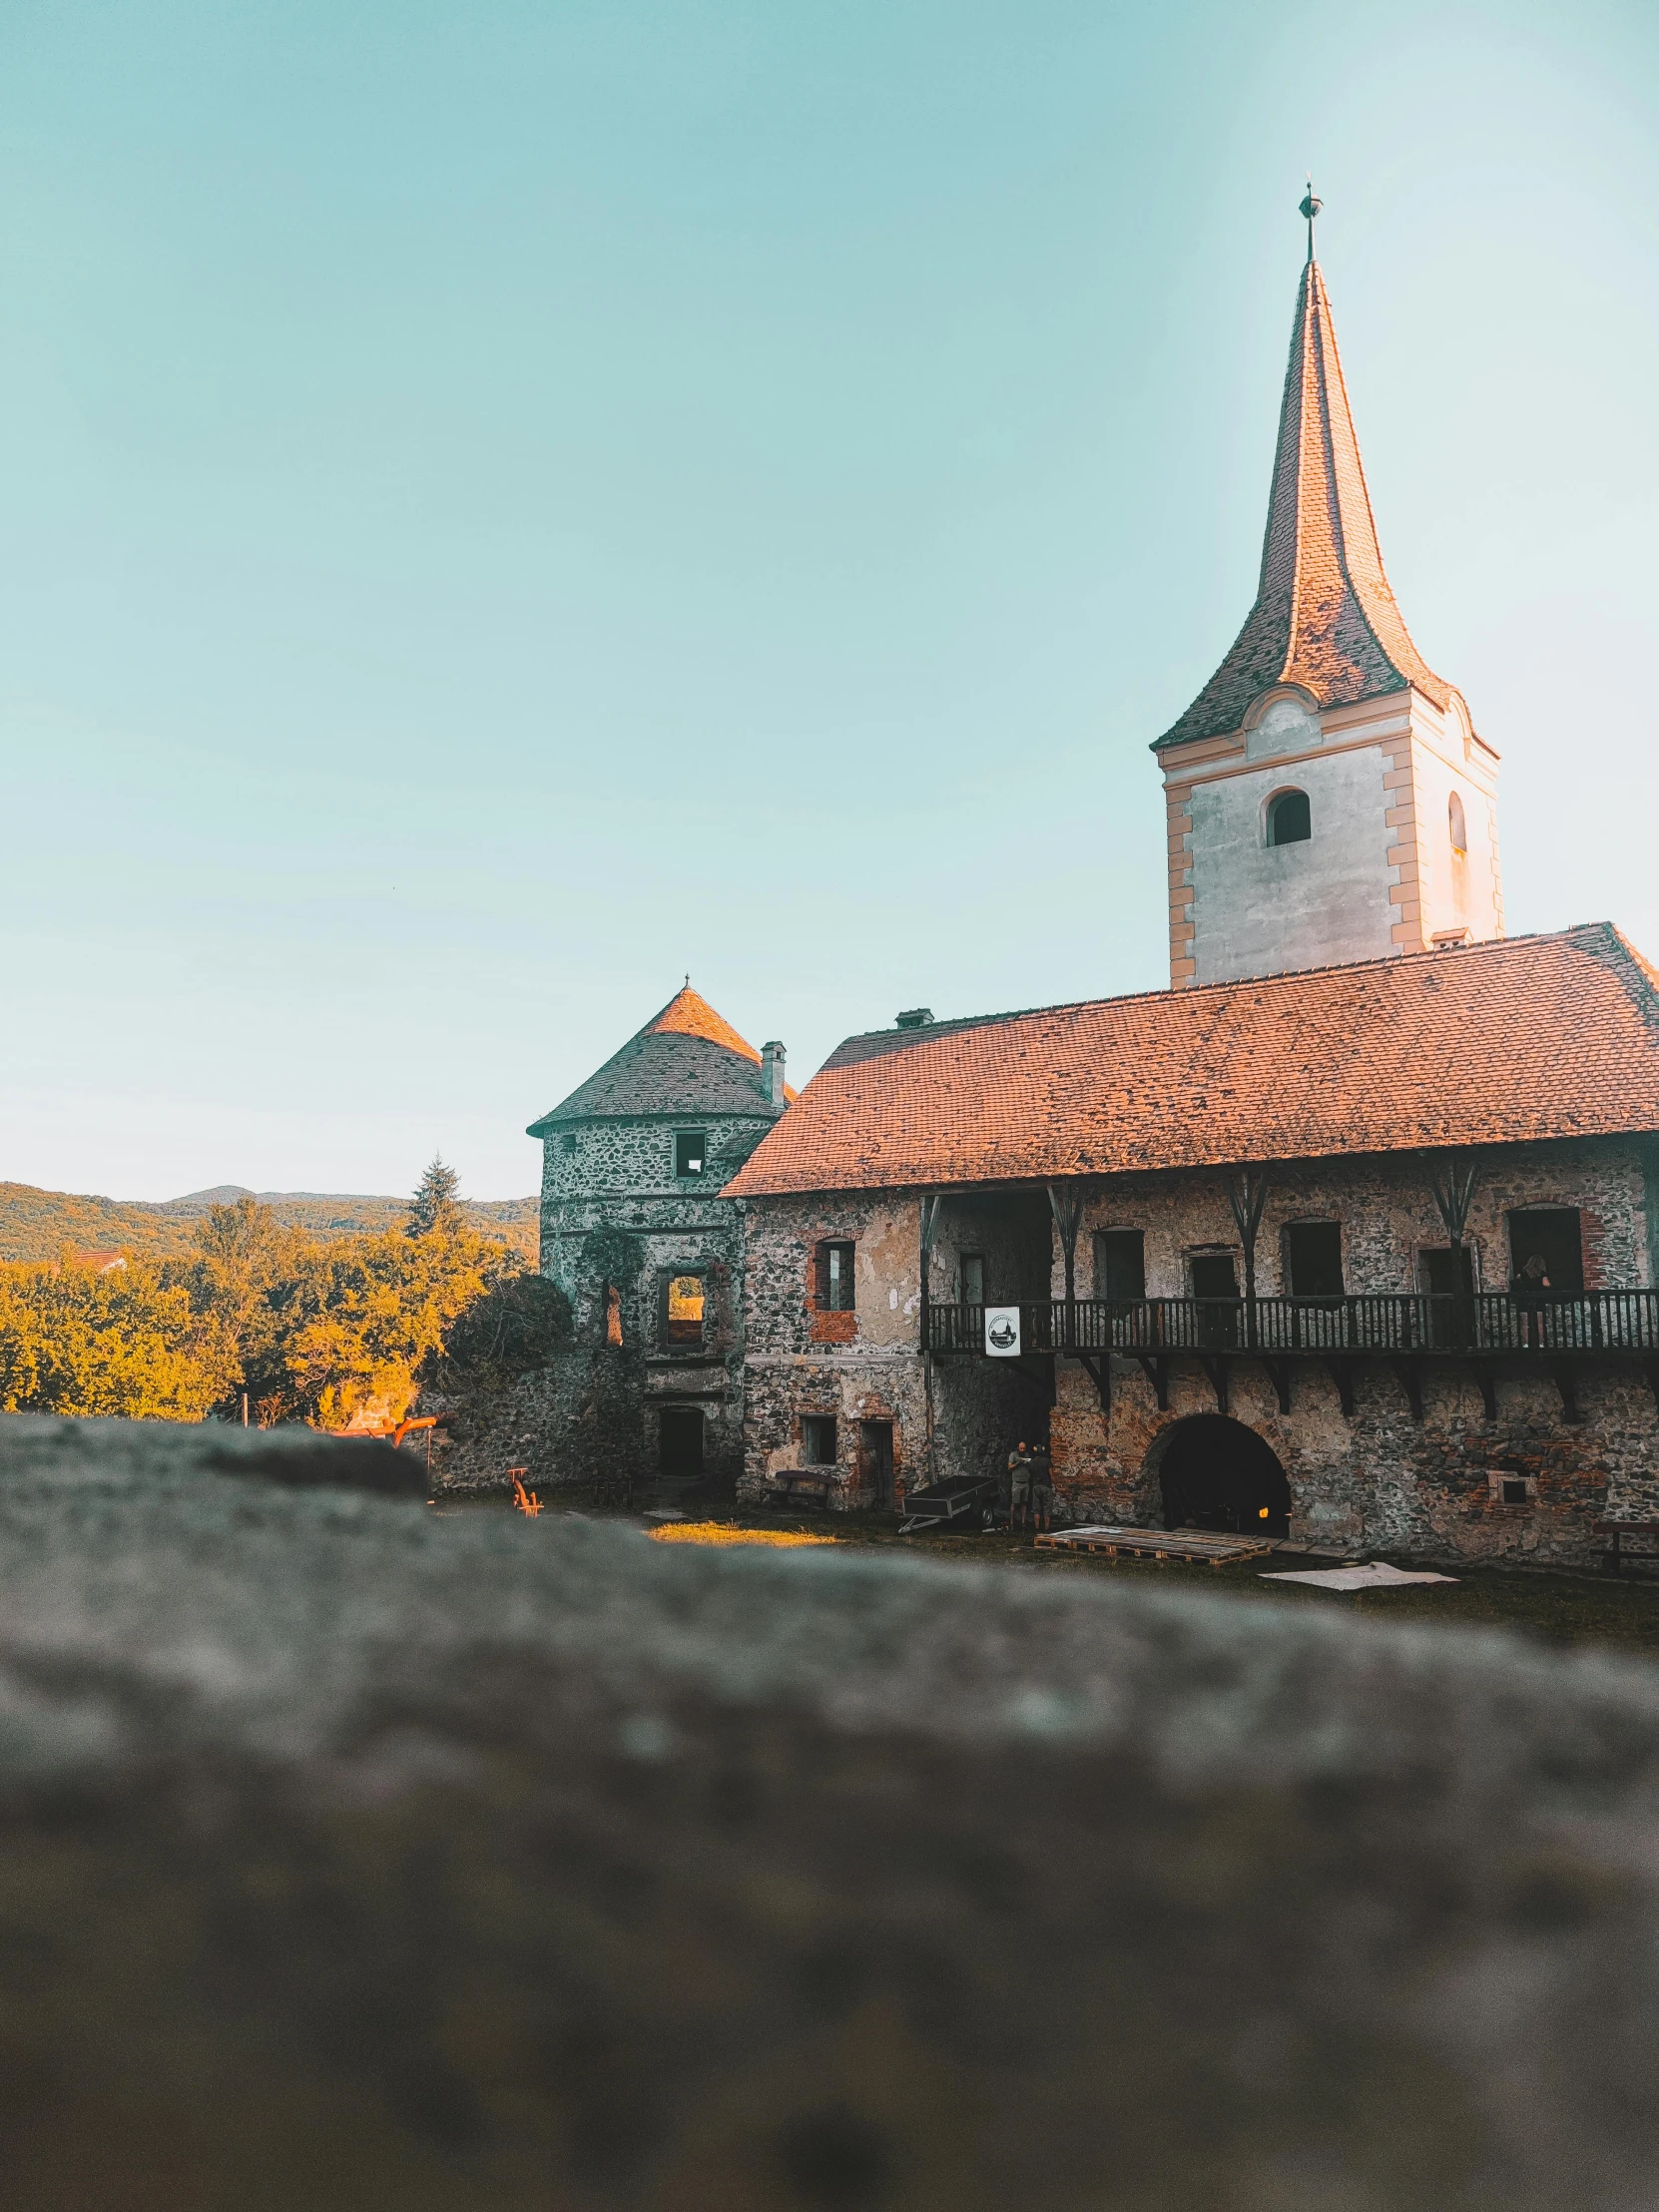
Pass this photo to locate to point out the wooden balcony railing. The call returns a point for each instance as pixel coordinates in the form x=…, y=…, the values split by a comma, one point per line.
x=1377, y=1322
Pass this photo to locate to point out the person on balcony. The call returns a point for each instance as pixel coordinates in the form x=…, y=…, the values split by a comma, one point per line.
x=1530, y=1290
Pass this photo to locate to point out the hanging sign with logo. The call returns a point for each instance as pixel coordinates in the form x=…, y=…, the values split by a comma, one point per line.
x=1002, y=1331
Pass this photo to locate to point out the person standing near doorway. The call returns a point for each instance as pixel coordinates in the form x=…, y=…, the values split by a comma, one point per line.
x=1042, y=1489
x=1530, y=1291
x=1019, y=1485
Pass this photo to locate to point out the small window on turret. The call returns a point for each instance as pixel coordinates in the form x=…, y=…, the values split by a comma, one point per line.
x=691, y=1151
x=1454, y=821
x=567, y=1143
x=1290, y=821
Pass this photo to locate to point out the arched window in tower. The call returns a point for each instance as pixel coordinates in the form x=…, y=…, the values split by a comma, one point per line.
x=1454, y=821
x=1289, y=819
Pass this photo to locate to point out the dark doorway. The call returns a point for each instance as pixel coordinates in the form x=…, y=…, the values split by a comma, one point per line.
x=1551, y=1234
x=1216, y=1284
x=679, y=1452
x=1120, y=1264
x=1447, y=1321
x=1217, y=1473
x=875, y=1446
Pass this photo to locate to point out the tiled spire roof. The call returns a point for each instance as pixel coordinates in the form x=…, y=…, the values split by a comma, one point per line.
x=1325, y=616
x=689, y=1015
x=686, y=1060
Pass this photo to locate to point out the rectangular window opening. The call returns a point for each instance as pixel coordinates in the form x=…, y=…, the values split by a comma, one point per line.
x=685, y=1311
x=834, y=1278
x=1120, y=1264
x=1313, y=1259
x=691, y=1151
x=973, y=1278
x=817, y=1439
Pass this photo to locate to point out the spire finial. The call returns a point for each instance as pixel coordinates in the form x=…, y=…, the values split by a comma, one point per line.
x=1309, y=207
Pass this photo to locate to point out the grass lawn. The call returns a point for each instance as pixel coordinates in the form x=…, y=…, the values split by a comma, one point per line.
x=1560, y=1610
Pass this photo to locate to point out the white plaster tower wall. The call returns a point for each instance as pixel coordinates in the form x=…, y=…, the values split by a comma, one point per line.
x=1259, y=907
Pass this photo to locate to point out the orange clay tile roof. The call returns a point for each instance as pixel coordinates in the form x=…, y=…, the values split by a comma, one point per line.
x=1325, y=616
x=686, y=1060
x=1497, y=1044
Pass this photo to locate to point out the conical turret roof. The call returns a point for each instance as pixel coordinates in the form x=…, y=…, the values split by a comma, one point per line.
x=1325, y=616
x=686, y=1060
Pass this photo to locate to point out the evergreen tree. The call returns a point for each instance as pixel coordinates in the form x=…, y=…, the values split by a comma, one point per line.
x=434, y=1205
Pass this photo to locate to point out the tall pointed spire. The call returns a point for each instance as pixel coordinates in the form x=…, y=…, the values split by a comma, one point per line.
x=1325, y=616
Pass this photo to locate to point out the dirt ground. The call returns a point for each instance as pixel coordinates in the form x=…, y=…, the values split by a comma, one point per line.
x=1560, y=1609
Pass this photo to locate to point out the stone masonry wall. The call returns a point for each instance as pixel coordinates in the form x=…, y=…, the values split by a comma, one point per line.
x=871, y=1373
x=1378, y=1480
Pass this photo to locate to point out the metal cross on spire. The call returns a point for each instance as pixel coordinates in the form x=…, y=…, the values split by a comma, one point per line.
x=1311, y=208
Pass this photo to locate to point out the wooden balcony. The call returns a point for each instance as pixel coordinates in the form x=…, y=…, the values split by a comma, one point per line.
x=1403, y=1329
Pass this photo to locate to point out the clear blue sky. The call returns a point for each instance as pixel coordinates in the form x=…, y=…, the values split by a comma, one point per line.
x=504, y=502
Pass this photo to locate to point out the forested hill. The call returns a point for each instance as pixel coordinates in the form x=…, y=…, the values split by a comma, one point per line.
x=36, y=1225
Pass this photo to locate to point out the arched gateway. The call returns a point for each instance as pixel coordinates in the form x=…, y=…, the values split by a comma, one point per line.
x=1217, y=1473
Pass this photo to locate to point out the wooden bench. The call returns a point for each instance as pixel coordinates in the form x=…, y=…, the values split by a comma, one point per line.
x=1615, y=1557
x=811, y=1486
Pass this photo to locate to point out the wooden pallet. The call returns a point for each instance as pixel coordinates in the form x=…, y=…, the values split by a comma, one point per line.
x=1158, y=1543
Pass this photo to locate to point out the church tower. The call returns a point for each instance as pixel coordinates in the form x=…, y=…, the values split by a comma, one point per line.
x=1327, y=797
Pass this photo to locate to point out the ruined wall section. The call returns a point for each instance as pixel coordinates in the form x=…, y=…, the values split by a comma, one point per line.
x=614, y=1211
x=869, y=1370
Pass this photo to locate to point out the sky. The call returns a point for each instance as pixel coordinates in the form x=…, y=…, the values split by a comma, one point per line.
x=504, y=503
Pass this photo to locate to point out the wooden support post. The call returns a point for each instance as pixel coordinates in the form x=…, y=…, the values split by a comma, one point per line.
x=1216, y=1370
x=1155, y=1367
x=1065, y=1203
x=1410, y=1378
x=1566, y=1382
x=1485, y=1379
x=1098, y=1368
x=1279, y=1370
x=1341, y=1373
x=1247, y=1194
x=930, y=1230
x=1452, y=1186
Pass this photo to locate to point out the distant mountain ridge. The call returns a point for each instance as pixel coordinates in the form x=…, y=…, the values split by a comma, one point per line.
x=36, y=1224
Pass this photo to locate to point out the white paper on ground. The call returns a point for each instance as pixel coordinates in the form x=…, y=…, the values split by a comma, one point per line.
x=1377, y=1575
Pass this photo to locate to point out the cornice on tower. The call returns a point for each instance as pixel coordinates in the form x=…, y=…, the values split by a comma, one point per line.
x=1325, y=618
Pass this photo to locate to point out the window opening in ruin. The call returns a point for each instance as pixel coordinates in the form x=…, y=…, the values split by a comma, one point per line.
x=1512, y=1489
x=875, y=1451
x=679, y=1445
x=1454, y=822
x=973, y=1278
x=1217, y=1473
x=691, y=1151
x=1313, y=1259
x=817, y=1439
x=1216, y=1284
x=613, y=1314
x=1289, y=819
x=685, y=1311
x=1120, y=1264
x=1553, y=1234
x=567, y=1143
x=834, y=1278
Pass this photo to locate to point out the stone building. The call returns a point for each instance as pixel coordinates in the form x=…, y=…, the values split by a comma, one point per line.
x=1250, y=1250
x=1349, y=1235
x=636, y=1230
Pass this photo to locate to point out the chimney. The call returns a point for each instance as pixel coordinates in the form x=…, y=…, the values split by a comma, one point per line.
x=772, y=1072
